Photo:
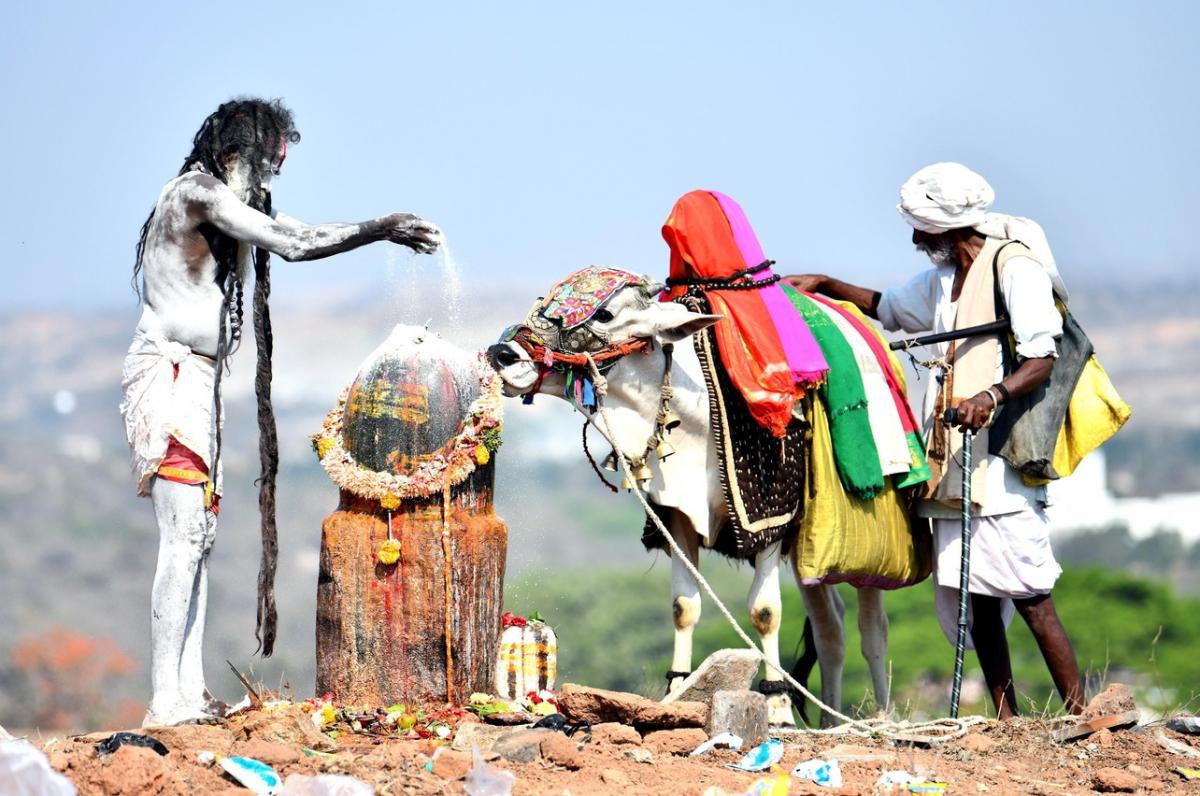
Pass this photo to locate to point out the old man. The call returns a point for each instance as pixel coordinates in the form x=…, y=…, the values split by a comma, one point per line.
x=985, y=264
x=193, y=260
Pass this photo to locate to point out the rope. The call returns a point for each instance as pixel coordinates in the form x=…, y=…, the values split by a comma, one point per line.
x=592, y=461
x=926, y=732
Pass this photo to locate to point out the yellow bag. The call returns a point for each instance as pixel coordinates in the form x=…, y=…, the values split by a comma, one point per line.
x=1096, y=412
x=845, y=539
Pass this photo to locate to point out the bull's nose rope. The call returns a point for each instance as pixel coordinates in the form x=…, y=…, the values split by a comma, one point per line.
x=926, y=732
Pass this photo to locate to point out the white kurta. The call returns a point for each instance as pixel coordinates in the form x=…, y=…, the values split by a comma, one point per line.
x=1010, y=535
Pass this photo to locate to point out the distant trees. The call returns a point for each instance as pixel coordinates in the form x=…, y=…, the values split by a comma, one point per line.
x=61, y=680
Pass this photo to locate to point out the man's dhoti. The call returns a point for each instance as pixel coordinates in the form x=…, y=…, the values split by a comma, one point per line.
x=1010, y=558
x=167, y=404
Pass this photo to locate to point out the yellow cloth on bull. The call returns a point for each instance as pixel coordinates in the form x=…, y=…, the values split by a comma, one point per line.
x=845, y=539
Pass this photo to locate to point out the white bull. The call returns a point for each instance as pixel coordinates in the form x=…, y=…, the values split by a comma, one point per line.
x=688, y=484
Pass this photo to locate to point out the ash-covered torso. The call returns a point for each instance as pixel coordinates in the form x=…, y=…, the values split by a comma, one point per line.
x=182, y=291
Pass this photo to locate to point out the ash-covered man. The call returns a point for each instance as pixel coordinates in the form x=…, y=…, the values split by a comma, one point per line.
x=1012, y=564
x=193, y=260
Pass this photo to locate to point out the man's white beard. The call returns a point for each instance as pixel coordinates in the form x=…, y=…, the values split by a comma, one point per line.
x=940, y=251
x=238, y=181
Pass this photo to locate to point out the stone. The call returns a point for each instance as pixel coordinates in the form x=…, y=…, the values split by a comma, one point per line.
x=743, y=713
x=615, y=778
x=978, y=743
x=473, y=734
x=449, y=764
x=724, y=670
x=598, y=705
x=1117, y=698
x=287, y=724
x=1188, y=725
x=1114, y=780
x=275, y=755
x=193, y=738
x=522, y=746
x=560, y=750
x=675, y=742
x=639, y=755
x=1153, y=785
x=610, y=732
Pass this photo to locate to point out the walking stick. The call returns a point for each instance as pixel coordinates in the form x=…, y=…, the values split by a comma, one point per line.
x=964, y=576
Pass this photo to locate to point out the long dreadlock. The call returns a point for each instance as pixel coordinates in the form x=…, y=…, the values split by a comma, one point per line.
x=255, y=131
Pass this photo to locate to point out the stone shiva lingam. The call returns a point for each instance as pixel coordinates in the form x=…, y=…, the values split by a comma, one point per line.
x=412, y=561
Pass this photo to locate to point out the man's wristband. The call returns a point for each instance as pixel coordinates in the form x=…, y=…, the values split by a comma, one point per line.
x=1002, y=390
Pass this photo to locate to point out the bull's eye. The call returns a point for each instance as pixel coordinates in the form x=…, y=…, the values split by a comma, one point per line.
x=603, y=315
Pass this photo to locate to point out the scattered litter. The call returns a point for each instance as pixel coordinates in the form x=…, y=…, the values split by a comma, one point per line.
x=114, y=742
x=1189, y=725
x=722, y=739
x=206, y=758
x=761, y=757
x=24, y=769
x=485, y=780
x=314, y=753
x=778, y=785
x=1188, y=773
x=258, y=777
x=936, y=788
x=325, y=785
x=897, y=779
x=826, y=773
x=1173, y=746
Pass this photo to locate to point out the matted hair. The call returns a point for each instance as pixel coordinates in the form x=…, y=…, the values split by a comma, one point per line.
x=255, y=131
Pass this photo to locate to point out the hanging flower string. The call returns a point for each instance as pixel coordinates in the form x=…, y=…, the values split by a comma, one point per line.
x=473, y=447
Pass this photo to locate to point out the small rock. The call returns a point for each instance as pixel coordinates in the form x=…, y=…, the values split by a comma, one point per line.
x=616, y=734
x=273, y=754
x=743, y=713
x=1188, y=725
x=597, y=705
x=522, y=746
x=193, y=738
x=287, y=724
x=1137, y=771
x=1114, y=780
x=615, y=778
x=484, y=736
x=639, y=755
x=1102, y=739
x=978, y=743
x=560, y=750
x=724, y=670
x=449, y=764
x=510, y=719
x=1117, y=698
x=675, y=742
x=1153, y=784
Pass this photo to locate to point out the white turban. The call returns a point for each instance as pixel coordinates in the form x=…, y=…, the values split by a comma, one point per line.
x=948, y=196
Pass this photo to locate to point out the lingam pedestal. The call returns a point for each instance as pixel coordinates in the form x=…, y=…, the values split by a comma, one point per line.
x=423, y=628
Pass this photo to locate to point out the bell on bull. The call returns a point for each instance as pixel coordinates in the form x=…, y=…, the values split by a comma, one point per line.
x=412, y=561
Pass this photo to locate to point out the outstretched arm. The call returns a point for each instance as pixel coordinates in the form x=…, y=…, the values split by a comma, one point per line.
x=861, y=297
x=210, y=201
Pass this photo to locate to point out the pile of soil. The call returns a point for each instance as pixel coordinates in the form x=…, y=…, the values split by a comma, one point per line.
x=1019, y=756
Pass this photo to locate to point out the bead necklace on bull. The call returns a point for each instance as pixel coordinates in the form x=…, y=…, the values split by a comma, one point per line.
x=558, y=338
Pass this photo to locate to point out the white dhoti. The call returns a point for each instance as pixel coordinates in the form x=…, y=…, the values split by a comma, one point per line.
x=1010, y=558
x=167, y=391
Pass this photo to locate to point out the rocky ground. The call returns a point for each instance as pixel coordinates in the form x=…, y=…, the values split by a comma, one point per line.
x=642, y=750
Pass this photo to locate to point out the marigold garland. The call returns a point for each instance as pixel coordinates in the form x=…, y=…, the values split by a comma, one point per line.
x=473, y=447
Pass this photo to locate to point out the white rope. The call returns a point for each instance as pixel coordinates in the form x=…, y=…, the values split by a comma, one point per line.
x=926, y=732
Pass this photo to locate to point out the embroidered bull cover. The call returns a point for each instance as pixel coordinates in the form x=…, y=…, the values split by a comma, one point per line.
x=576, y=299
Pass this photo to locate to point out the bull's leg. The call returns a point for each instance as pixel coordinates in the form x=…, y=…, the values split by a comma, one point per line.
x=826, y=610
x=766, y=609
x=685, y=603
x=873, y=631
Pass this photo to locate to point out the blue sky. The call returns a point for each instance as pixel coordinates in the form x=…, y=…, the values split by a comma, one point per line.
x=544, y=137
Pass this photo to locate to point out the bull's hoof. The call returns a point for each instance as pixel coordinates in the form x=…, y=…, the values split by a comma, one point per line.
x=779, y=711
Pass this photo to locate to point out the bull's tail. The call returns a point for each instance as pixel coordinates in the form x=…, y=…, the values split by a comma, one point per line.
x=806, y=659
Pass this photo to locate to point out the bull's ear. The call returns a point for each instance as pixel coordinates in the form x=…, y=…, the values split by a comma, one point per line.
x=673, y=322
